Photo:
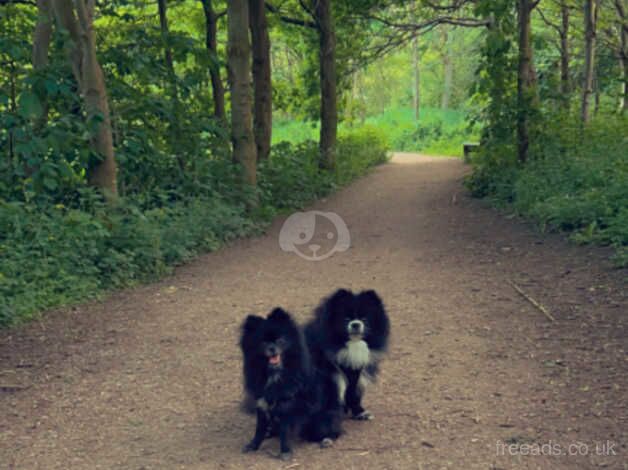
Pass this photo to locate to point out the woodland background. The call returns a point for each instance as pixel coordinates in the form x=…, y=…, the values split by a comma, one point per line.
x=135, y=134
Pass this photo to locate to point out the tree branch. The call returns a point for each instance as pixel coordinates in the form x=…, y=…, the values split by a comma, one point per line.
x=465, y=22
x=549, y=23
x=288, y=19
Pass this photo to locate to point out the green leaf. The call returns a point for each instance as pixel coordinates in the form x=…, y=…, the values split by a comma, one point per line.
x=29, y=106
x=50, y=184
x=51, y=86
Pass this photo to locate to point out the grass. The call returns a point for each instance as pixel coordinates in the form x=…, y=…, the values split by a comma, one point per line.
x=438, y=132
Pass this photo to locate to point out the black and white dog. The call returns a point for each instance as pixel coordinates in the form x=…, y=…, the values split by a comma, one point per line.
x=347, y=338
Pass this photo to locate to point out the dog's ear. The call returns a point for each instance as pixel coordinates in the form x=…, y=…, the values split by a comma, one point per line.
x=279, y=315
x=369, y=298
x=340, y=300
x=370, y=304
x=252, y=323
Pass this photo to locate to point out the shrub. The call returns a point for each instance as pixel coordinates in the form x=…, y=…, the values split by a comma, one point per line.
x=576, y=181
x=55, y=254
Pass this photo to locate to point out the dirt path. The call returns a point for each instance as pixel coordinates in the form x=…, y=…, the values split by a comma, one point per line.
x=150, y=378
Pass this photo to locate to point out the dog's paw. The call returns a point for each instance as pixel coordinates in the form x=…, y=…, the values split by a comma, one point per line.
x=285, y=456
x=364, y=416
x=327, y=442
x=250, y=447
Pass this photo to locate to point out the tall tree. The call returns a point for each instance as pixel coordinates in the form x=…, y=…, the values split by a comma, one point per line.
x=165, y=33
x=590, y=35
x=239, y=64
x=526, y=79
x=218, y=90
x=262, y=85
x=327, y=63
x=561, y=11
x=622, y=13
x=448, y=66
x=42, y=34
x=76, y=17
x=174, y=124
x=416, y=91
x=565, y=82
x=41, y=44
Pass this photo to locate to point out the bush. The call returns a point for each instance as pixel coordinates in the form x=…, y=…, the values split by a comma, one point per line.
x=577, y=181
x=359, y=150
x=291, y=177
x=55, y=254
x=438, y=132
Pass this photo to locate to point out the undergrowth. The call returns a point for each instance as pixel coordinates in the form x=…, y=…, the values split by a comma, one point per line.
x=55, y=254
x=576, y=181
x=437, y=132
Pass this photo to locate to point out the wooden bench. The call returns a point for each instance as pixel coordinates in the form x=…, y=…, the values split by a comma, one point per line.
x=468, y=148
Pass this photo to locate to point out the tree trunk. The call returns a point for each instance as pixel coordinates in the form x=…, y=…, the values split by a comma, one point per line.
x=239, y=64
x=416, y=97
x=76, y=17
x=448, y=67
x=175, y=130
x=42, y=34
x=12, y=108
x=262, y=85
x=596, y=91
x=624, y=66
x=623, y=53
x=565, y=85
x=41, y=45
x=526, y=80
x=165, y=33
x=590, y=20
x=329, y=111
x=218, y=90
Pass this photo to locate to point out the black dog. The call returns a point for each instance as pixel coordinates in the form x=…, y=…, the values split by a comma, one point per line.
x=289, y=396
x=347, y=338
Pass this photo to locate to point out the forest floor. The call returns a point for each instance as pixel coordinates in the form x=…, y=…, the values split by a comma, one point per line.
x=477, y=377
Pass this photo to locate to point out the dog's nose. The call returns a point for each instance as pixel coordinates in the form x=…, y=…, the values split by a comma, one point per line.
x=271, y=351
x=355, y=325
x=314, y=247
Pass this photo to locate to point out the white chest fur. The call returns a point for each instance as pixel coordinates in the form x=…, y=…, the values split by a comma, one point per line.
x=354, y=355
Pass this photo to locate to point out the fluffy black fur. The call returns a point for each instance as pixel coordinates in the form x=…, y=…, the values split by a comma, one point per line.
x=278, y=378
x=347, y=338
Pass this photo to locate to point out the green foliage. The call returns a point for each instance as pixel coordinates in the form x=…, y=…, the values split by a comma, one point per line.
x=576, y=181
x=291, y=177
x=54, y=254
x=164, y=134
x=438, y=131
x=495, y=90
x=358, y=150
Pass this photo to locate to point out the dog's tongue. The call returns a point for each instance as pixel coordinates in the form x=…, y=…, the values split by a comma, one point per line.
x=274, y=360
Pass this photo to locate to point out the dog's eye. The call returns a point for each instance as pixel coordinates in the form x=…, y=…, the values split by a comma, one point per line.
x=281, y=342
